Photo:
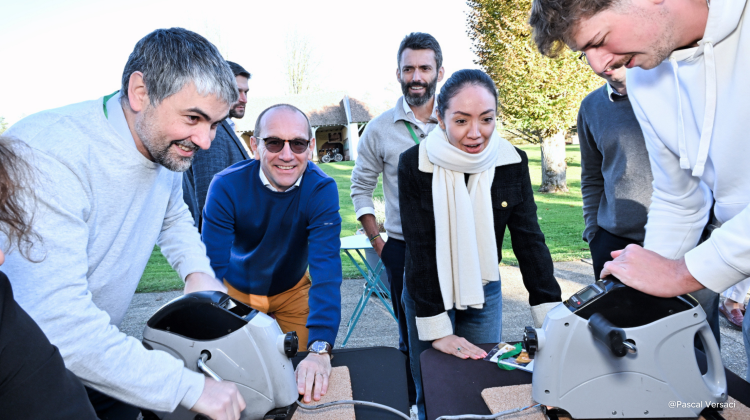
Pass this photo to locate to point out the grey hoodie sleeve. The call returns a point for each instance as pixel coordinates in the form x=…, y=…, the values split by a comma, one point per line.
x=592, y=179
x=368, y=166
x=55, y=292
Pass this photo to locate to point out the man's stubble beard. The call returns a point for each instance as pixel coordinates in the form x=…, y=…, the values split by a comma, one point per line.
x=153, y=142
x=663, y=46
x=233, y=113
x=662, y=49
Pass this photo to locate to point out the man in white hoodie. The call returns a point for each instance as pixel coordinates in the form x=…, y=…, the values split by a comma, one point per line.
x=690, y=98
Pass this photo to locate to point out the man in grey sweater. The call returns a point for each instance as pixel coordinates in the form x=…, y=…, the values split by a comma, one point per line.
x=615, y=170
x=616, y=178
x=109, y=187
x=420, y=68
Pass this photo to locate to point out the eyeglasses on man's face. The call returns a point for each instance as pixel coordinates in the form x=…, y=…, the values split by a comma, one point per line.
x=276, y=145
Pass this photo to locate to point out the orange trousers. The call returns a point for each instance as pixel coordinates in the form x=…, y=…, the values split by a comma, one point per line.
x=290, y=308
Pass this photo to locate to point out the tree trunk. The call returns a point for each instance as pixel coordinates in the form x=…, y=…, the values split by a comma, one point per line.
x=554, y=167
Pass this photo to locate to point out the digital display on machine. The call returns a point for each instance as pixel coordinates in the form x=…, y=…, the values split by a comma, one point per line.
x=587, y=293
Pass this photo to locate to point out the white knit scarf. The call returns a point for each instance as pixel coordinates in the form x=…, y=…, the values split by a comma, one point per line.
x=464, y=227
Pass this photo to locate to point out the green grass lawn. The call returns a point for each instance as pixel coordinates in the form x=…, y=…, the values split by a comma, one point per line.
x=560, y=217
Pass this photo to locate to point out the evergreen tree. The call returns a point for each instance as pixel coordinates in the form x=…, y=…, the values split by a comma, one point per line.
x=539, y=97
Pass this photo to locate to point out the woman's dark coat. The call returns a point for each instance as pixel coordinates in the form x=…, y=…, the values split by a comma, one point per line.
x=513, y=206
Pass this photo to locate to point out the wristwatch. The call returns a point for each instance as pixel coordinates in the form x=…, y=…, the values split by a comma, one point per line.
x=320, y=347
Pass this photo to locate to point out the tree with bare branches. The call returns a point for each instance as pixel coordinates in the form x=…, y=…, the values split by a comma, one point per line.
x=300, y=63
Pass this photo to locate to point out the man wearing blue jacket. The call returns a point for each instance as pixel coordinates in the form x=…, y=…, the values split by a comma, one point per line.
x=265, y=222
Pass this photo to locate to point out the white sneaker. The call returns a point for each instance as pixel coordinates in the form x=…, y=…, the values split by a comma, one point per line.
x=413, y=413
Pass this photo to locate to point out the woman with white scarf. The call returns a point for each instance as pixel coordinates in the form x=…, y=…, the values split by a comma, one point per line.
x=458, y=190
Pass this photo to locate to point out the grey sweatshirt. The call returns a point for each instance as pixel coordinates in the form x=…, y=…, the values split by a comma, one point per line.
x=378, y=151
x=101, y=208
x=615, y=169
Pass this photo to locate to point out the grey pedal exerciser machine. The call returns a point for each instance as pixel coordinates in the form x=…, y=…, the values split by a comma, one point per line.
x=230, y=341
x=610, y=351
x=211, y=332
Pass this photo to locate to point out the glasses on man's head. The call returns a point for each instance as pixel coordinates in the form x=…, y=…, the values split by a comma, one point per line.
x=275, y=144
x=583, y=58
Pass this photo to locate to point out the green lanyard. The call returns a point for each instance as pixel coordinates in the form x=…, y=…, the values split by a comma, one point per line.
x=411, y=130
x=107, y=98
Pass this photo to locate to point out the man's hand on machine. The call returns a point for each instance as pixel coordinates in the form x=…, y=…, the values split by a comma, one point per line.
x=651, y=273
x=312, y=376
x=220, y=401
x=198, y=282
x=459, y=347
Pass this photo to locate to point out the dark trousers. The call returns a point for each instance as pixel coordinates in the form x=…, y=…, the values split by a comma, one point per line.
x=602, y=246
x=108, y=408
x=604, y=243
x=393, y=256
x=34, y=383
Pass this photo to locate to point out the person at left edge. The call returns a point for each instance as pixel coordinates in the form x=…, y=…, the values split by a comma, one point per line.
x=226, y=150
x=265, y=222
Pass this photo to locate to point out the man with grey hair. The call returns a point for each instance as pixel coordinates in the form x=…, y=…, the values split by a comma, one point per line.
x=109, y=189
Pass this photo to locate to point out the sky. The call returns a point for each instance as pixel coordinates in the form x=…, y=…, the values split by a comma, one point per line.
x=58, y=52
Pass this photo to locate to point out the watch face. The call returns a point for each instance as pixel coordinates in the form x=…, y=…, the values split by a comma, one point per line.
x=318, y=347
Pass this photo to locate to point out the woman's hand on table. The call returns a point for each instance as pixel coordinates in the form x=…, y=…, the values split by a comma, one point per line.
x=459, y=347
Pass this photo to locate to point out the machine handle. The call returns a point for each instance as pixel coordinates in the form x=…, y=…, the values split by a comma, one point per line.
x=207, y=370
x=715, y=378
x=608, y=334
x=530, y=341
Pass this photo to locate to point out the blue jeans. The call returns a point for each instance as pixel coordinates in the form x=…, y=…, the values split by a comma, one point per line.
x=478, y=326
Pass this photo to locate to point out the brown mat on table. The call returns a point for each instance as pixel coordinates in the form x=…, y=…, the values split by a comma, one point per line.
x=339, y=388
x=508, y=397
x=735, y=410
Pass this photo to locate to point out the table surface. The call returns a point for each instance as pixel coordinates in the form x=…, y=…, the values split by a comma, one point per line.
x=378, y=374
x=453, y=386
x=358, y=241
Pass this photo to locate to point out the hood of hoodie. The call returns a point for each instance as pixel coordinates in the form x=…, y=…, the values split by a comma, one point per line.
x=724, y=17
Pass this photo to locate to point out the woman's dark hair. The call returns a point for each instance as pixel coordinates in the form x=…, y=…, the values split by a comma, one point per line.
x=16, y=176
x=457, y=81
